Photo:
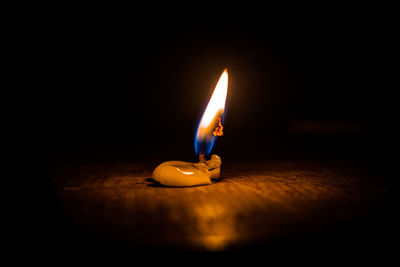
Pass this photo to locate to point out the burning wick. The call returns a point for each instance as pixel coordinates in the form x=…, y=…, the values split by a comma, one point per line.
x=218, y=129
x=179, y=173
x=202, y=159
x=217, y=132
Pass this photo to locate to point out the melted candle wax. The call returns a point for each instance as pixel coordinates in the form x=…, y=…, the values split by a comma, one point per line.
x=180, y=173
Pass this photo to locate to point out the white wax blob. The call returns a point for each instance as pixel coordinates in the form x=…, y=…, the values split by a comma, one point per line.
x=180, y=173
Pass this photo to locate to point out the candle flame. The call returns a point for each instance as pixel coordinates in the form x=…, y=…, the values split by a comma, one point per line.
x=218, y=130
x=210, y=124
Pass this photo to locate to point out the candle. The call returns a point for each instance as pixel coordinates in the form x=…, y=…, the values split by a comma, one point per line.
x=180, y=173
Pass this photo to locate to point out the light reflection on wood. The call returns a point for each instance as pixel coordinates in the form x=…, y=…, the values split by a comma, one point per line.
x=251, y=203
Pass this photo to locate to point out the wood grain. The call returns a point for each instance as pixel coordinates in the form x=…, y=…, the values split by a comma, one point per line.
x=253, y=203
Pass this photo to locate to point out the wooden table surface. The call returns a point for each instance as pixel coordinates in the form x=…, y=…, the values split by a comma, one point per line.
x=254, y=203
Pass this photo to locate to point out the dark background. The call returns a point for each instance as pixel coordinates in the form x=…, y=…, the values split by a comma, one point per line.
x=307, y=86
x=300, y=88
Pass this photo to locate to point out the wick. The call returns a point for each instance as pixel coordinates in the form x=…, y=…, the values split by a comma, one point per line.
x=202, y=159
x=218, y=129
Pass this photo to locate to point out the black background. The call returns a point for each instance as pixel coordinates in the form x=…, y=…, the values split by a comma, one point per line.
x=317, y=83
x=302, y=86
